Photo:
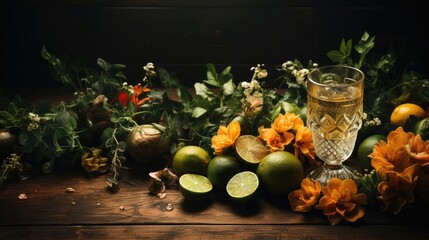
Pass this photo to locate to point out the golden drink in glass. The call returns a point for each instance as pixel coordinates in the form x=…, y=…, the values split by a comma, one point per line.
x=334, y=116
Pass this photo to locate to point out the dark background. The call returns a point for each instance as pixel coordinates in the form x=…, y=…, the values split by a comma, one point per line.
x=183, y=35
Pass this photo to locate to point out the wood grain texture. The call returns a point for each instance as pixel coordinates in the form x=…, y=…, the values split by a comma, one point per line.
x=48, y=203
x=212, y=232
x=93, y=212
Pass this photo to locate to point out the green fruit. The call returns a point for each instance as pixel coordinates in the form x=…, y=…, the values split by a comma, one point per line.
x=191, y=159
x=250, y=150
x=244, y=123
x=280, y=172
x=243, y=186
x=303, y=114
x=195, y=187
x=221, y=169
x=365, y=148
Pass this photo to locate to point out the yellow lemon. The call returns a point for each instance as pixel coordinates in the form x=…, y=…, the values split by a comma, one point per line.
x=403, y=111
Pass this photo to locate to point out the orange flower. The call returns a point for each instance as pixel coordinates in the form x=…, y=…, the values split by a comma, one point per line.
x=225, y=137
x=398, y=189
x=284, y=123
x=136, y=98
x=341, y=201
x=419, y=150
x=274, y=140
x=393, y=155
x=304, y=144
x=302, y=200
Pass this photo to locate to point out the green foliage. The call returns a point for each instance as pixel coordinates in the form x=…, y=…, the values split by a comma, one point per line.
x=190, y=118
x=344, y=54
x=386, y=84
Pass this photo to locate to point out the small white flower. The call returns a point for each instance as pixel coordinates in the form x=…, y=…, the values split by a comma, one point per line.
x=301, y=74
x=150, y=69
x=33, y=117
x=32, y=126
x=288, y=65
x=377, y=121
x=262, y=74
x=245, y=84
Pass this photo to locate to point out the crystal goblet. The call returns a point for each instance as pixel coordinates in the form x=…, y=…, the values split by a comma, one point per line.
x=334, y=116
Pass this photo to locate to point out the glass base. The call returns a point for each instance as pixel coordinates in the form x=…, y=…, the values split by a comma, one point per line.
x=325, y=172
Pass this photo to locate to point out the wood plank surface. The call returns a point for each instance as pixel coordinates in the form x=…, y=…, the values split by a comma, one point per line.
x=93, y=212
x=48, y=203
x=214, y=232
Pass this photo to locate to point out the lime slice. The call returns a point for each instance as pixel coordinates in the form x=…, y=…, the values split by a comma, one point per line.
x=195, y=186
x=250, y=150
x=242, y=186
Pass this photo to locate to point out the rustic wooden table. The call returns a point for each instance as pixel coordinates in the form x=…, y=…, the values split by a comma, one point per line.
x=93, y=212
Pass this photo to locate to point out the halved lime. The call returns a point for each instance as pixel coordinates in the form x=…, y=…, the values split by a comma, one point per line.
x=195, y=186
x=250, y=150
x=242, y=186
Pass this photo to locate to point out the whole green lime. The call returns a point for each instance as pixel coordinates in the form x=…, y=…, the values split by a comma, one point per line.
x=365, y=148
x=280, y=172
x=222, y=168
x=422, y=128
x=191, y=159
x=244, y=123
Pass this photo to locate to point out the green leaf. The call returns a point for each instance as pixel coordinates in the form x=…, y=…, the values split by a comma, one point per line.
x=211, y=72
x=349, y=47
x=117, y=66
x=225, y=78
x=365, y=36
x=199, y=101
x=204, y=92
x=226, y=71
x=343, y=49
x=365, y=44
x=228, y=88
x=221, y=112
x=184, y=94
x=198, y=112
x=103, y=64
x=336, y=56
x=121, y=75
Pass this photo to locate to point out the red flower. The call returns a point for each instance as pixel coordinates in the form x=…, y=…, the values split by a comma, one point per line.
x=123, y=99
